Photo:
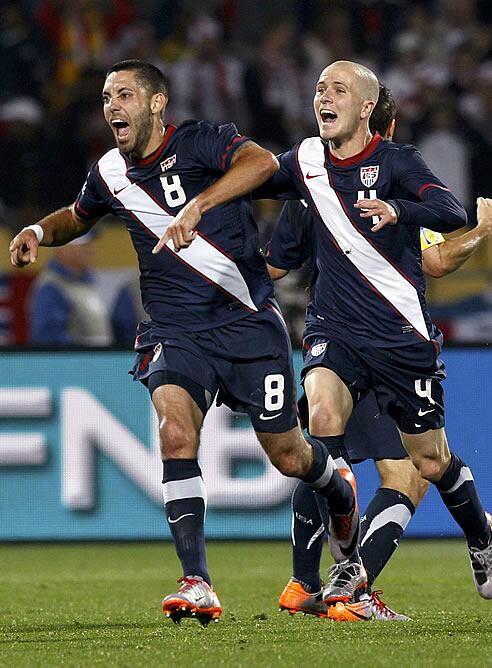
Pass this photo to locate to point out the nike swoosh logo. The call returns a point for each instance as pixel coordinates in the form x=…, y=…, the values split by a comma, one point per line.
x=269, y=417
x=116, y=192
x=357, y=614
x=313, y=176
x=171, y=521
x=421, y=412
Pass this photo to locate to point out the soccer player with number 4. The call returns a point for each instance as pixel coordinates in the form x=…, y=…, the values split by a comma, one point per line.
x=368, y=327
x=214, y=327
x=369, y=434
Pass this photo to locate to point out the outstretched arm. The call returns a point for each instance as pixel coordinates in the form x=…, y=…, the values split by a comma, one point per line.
x=251, y=166
x=445, y=258
x=427, y=202
x=56, y=229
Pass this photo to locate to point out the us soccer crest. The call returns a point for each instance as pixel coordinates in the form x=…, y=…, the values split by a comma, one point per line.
x=369, y=175
x=157, y=352
x=318, y=349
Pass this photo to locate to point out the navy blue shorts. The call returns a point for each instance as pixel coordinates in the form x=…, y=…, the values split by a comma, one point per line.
x=406, y=381
x=247, y=364
x=370, y=434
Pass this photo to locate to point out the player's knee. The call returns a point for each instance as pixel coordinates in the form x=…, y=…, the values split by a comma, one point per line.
x=430, y=468
x=323, y=420
x=177, y=440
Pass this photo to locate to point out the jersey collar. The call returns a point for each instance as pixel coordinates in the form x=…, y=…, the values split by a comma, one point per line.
x=155, y=155
x=359, y=157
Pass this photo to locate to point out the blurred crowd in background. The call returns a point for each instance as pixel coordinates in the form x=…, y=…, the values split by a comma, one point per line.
x=255, y=63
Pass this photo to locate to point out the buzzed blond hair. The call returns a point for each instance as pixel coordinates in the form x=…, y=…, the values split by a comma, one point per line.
x=367, y=81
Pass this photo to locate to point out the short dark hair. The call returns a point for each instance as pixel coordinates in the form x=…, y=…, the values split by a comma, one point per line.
x=149, y=76
x=384, y=111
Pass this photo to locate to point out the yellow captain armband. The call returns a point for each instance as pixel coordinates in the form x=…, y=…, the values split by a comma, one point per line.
x=429, y=238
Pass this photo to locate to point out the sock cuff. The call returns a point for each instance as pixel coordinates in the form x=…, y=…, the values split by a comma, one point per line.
x=394, y=497
x=336, y=448
x=180, y=469
x=331, y=441
x=455, y=475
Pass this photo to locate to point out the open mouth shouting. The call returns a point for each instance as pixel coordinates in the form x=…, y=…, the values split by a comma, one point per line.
x=121, y=130
x=328, y=117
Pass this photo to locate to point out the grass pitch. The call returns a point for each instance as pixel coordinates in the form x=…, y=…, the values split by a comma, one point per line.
x=99, y=605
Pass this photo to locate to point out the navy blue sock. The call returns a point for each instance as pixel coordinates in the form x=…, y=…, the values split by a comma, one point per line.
x=336, y=448
x=382, y=526
x=307, y=537
x=185, y=500
x=457, y=490
x=327, y=481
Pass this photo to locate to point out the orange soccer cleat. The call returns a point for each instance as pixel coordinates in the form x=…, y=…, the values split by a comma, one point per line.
x=295, y=598
x=350, y=612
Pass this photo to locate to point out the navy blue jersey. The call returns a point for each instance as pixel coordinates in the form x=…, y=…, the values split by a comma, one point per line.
x=293, y=243
x=221, y=277
x=370, y=286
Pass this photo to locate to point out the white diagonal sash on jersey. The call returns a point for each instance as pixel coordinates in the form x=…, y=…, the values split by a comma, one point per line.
x=372, y=265
x=201, y=255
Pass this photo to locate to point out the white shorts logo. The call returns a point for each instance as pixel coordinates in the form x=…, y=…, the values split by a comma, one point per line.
x=318, y=349
x=157, y=352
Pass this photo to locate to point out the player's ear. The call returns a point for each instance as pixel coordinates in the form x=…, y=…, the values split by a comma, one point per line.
x=158, y=103
x=367, y=107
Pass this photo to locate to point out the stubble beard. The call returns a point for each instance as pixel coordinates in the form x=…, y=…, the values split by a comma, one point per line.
x=142, y=137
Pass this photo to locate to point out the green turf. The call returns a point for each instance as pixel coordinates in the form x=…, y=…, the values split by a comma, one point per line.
x=98, y=605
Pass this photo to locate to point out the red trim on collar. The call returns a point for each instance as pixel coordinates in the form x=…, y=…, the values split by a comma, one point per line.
x=142, y=162
x=359, y=157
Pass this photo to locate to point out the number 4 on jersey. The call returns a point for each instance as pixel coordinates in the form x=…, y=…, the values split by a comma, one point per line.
x=361, y=194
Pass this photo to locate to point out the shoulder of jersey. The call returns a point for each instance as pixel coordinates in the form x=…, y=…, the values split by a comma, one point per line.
x=191, y=124
x=384, y=144
x=310, y=139
x=395, y=146
x=112, y=153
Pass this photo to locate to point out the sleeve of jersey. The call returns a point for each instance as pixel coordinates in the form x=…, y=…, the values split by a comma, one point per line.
x=288, y=248
x=283, y=184
x=90, y=203
x=437, y=209
x=215, y=145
